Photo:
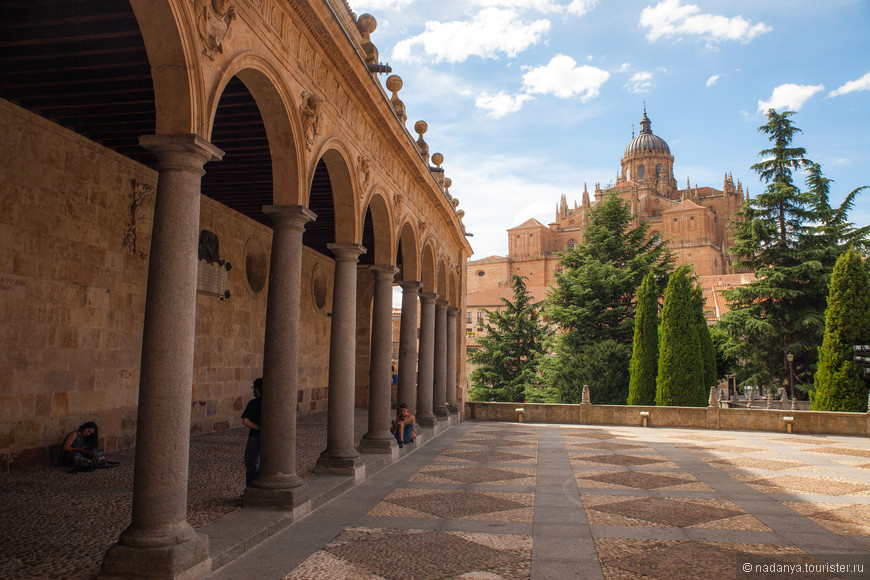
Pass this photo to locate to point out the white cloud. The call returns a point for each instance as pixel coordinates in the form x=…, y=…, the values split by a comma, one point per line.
x=489, y=33
x=789, y=97
x=712, y=80
x=862, y=84
x=501, y=104
x=669, y=18
x=623, y=67
x=363, y=6
x=639, y=82
x=575, y=7
x=563, y=78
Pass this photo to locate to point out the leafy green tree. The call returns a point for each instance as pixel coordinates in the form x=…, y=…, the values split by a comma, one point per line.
x=790, y=239
x=680, y=369
x=593, y=297
x=509, y=348
x=601, y=365
x=645, y=353
x=839, y=382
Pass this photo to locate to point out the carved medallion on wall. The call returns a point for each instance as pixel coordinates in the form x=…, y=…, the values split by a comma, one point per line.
x=138, y=219
x=310, y=117
x=318, y=287
x=362, y=167
x=256, y=265
x=213, y=20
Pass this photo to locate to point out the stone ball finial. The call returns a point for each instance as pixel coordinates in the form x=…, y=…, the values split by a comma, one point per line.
x=394, y=83
x=421, y=127
x=366, y=24
x=437, y=159
x=448, y=183
x=455, y=202
x=460, y=213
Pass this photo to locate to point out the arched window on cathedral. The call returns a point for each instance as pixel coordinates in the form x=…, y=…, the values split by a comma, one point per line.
x=571, y=243
x=658, y=170
x=641, y=171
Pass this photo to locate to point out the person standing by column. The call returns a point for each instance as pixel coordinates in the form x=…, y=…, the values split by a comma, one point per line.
x=251, y=420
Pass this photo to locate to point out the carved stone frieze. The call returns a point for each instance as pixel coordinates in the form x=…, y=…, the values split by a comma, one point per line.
x=213, y=20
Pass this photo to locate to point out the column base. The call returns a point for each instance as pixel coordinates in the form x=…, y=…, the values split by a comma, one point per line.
x=378, y=444
x=427, y=420
x=441, y=412
x=281, y=492
x=340, y=465
x=176, y=553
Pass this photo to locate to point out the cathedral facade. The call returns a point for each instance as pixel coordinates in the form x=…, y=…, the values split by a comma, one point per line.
x=693, y=221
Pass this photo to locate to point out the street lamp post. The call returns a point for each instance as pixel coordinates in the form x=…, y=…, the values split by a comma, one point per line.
x=790, y=357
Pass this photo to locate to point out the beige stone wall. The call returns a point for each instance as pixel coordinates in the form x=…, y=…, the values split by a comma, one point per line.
x=73, y=272
x=496, y=274
x=774, y=420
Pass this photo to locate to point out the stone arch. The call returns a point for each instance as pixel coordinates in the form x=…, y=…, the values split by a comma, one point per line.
x=282, y=126
x=453, y=288
x=427, y=268
x=408, y=252
x=378, y=211
x=335, y=158
x=175, y=67
x=443, y=291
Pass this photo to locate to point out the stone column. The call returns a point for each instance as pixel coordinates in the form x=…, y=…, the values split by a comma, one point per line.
x=159, y=543
x=407, y=389
x=439, y=392
x=341, y=455
x=425, y=416
x=452, y=332
x=379, y=439
x=278, y=484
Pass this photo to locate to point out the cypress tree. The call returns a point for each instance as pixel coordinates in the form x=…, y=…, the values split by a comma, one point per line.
x=839, y=384
x=708, y=351
x=680, y=369
x=645, y=354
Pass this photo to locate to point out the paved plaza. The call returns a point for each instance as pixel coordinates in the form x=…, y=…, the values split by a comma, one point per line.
x=501, y=500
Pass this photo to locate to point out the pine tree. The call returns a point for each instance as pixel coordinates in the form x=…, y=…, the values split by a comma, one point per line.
x=593, y=297
x=509, y=349
x=645, y=354
x=790, y=240
x=839, y=382
x=680, y=368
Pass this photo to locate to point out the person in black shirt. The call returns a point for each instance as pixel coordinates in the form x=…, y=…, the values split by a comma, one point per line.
x=251, y=420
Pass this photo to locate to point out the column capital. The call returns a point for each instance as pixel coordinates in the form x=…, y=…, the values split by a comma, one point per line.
x=441, y=304
x=294, y=216
x=185, y=151
x=453, y=311
x=383, y=271
x=412, y=286
x=346, y=252
x=428, y=297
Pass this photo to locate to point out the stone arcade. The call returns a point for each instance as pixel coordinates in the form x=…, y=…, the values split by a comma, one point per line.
x=258, y=131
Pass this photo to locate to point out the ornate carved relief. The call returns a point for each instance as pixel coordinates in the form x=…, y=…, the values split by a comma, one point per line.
x=213, y=20
x=362, y=167
x=142, y=196
x=310, y=117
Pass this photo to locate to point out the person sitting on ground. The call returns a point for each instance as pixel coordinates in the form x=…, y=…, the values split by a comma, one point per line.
x=403, y=426
x=79, y=443
x=251, y=420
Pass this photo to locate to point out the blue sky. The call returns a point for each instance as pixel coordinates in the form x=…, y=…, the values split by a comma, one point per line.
x=530, y=99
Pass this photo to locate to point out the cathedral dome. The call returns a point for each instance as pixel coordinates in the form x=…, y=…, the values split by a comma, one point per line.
x=646, y=142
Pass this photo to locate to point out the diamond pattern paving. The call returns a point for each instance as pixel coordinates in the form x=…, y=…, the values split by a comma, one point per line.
x=637, y=479
x=484, y=442
x=756, y=463
x=614, y=459
x=416, y=554
x=455, y=504
x=604, y=446
x=813, y=485
x=487, y=456
x=668, y=512
x=841, y=451
x=435, y=473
